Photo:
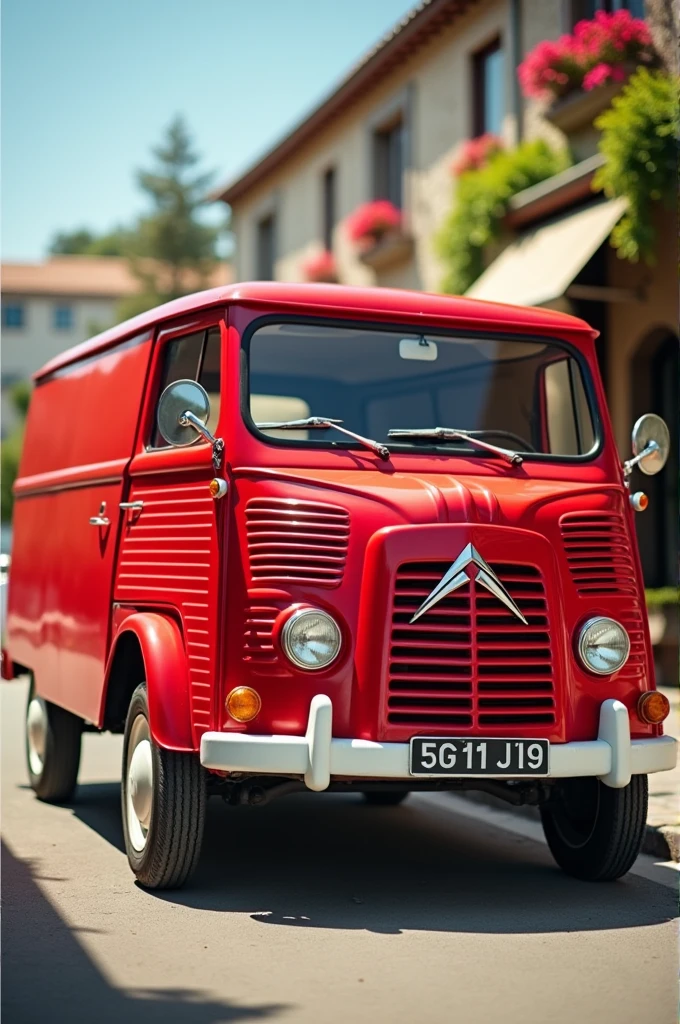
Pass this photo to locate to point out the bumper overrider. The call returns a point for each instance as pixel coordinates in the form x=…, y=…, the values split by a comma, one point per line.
x=613, y=757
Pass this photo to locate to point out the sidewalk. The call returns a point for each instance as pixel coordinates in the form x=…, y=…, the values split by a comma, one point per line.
x=663, y=815
x=662, y=839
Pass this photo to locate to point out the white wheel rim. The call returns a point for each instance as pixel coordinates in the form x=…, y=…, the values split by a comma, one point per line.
x=36, y=733
x=139, y=783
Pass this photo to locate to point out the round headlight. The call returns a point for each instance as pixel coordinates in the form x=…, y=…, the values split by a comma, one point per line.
x=311, y=639
x=603, y=646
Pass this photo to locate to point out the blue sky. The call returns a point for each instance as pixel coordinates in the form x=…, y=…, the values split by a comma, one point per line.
x=89, y=85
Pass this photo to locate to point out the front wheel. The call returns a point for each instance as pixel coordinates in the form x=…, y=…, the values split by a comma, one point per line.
x=595, y=832
x=53, y=738
x=163, y=797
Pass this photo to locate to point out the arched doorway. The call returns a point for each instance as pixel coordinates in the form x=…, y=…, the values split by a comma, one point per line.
x=655, y=369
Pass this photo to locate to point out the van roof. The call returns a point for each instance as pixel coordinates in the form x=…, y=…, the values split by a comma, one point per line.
x=291, y=297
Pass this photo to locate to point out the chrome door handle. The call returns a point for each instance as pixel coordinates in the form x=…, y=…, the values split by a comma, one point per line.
x=101, y=519
x=131, y=504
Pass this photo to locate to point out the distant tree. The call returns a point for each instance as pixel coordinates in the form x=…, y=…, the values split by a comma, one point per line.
x=171, y=250
x=10, y=452
x=83, y=242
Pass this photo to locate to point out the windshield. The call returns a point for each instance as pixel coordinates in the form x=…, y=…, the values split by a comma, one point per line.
x=525, y=395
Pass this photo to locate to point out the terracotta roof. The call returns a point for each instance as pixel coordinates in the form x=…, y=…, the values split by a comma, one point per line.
x=83, y=277
x=417, y=27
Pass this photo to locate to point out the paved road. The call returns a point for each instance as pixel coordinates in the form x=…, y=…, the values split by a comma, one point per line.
x=317, y=909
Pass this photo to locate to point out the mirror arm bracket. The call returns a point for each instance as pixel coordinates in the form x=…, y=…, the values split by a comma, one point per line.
x=631, y=463
x=188, y=419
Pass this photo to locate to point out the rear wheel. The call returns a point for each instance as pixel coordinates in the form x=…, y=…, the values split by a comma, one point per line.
x=388, y=798
x=163, y=802
x=53, y=738
x=595, y=832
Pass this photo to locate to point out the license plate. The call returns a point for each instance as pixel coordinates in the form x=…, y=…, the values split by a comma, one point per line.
x=451, y=757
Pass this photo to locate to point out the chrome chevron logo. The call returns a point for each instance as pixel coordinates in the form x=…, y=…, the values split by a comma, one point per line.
x=456, y=576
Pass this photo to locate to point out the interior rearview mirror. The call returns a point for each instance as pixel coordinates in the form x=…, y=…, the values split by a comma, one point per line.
x=651, y=444
x=183, y=411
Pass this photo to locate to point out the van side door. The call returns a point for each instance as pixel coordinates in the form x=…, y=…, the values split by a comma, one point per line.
x=171, y=543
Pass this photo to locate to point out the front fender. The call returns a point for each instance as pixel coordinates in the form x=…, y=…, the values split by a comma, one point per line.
x=167, y=680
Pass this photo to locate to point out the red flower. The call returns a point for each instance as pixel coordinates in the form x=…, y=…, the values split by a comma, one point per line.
x=602, y=73
x=320, y=267
x=475, y=153
x=597, y=51
x=372, y=220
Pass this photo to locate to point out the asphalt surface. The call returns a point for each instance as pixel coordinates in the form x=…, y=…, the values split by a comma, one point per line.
x=318, y=909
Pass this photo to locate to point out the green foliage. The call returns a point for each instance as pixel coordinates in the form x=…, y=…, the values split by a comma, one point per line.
x=662, y=596
x=82, y=242
x=10, y=452
x=639, y=140
x=481, y=202
x=171, y=246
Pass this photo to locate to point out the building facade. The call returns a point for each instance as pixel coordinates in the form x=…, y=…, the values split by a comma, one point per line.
x=48, y=307
x=51, y=306
x=393, y=128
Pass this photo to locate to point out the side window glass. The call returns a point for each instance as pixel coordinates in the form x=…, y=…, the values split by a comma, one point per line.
x=569, y=422
x=192, y=357
x=209, y=377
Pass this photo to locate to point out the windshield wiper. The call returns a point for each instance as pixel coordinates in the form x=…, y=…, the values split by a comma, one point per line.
x=322, y=423
x=449, y=434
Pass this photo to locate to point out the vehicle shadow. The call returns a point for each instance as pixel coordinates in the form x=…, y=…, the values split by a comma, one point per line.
x=49, y=976
x=331, y=861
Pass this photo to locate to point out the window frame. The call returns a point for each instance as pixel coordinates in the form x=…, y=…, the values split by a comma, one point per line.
x=403, y=448
x=166, y=335
x=63, y=308
x=479, y=58
x=329, y=205
x=265, y=273
x=577, y=10
x=382, y=173
x=21, y=307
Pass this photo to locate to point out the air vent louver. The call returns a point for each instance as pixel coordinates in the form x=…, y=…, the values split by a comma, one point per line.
x=598, y=551
x=296, y=541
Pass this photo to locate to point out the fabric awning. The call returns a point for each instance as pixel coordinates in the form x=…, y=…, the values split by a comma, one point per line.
x=541, y=264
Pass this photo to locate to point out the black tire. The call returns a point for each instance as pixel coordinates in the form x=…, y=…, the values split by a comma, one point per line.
x=387, y=798
x=595, y=832
x=172, y=842
x=53, y=738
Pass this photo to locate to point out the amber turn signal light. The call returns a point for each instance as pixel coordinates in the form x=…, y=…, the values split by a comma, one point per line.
x=243, y=704
x=653, y=707
x=639, y=501
x=217, y=487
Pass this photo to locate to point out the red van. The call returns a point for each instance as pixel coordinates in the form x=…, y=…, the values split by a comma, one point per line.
x=286, y=536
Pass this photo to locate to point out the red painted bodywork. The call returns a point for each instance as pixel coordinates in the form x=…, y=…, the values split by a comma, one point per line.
x=179, y=573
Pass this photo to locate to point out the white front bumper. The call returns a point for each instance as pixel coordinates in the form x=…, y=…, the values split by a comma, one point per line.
x=613, y=757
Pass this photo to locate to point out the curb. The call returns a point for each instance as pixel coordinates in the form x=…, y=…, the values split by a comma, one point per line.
x=662, y=842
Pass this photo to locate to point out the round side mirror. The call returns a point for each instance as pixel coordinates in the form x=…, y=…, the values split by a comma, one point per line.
x=651, y=430
x=179, y=398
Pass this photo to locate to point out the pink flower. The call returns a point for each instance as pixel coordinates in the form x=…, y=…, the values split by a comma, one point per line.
x=372, y=220
x=602, y=73
x=320, y=267
x=475, y=153
x=598, y=50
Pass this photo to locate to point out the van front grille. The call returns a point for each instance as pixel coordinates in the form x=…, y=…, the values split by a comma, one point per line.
x=469, y=662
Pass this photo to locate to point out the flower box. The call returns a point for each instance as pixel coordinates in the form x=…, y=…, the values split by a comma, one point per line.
x=578, y=110
x=390, y=249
